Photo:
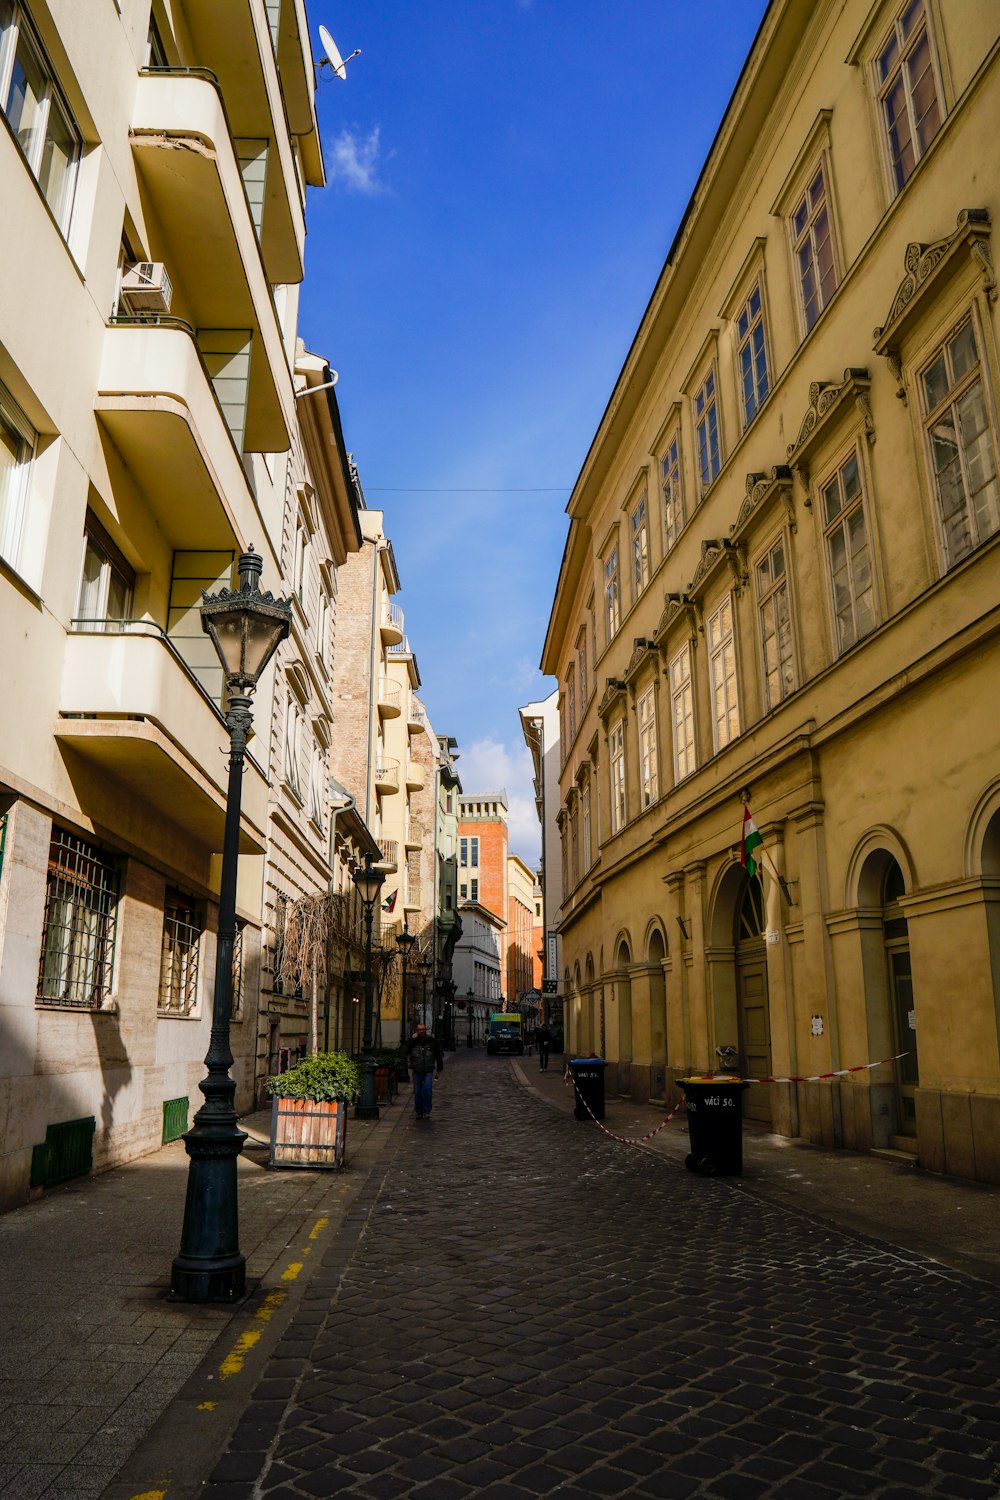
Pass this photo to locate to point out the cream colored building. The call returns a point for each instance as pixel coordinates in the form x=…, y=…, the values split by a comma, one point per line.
x=321, y=530
x=155, y=165
x=782, y=577
x=382, y=748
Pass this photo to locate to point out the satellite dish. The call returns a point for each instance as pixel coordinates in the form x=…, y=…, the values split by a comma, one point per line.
x=331, y=56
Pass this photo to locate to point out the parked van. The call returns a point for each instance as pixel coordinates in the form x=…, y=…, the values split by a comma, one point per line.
x=504, y=1034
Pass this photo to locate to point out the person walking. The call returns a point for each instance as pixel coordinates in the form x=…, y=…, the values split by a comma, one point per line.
x=543, y=1037
x=424, y=1056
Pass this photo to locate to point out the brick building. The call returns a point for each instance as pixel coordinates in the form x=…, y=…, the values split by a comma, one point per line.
x=482, y=856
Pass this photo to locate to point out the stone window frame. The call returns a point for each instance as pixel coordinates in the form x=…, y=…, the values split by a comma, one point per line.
x=712, y=653
x=649, y=785
x=815, y=155
x=833, y=468
x=706, y=367
x=865, y=52
x=618, y=784
x=751, y=277
x=687, y=751
x=781, y=538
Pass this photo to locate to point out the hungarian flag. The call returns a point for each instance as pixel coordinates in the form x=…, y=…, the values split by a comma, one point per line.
x=390, y=901
x=750, y=843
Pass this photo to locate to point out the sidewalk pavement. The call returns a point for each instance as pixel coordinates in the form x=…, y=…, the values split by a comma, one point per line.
x=886, y=1196
x=94, y=1350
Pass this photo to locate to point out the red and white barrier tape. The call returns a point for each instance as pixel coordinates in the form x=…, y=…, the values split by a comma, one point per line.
x=638, y=1140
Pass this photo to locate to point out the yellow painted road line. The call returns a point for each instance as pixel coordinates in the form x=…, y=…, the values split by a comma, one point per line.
x=233, y=1362
x=318, y=1228
x=290, y=1273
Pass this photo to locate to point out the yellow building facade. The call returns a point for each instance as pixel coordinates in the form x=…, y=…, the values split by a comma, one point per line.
x=781, y=588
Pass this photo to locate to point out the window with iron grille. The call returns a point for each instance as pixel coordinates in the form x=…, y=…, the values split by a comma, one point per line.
x=78, y=931
x=183, y=925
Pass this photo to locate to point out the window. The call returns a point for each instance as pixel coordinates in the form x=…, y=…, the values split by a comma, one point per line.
x=812, y=244
x=17, y=449
x=751, y=355
x=593, y=634
x=648, y=779
x=574, y=843
x=299, y=562
x=612, y=593
x=706, y=426
x=156, y=53
x=474, y=852
x=323, y=628
x=463, y=892
x=316, y=789
x=79, y=924
x=36, y=113
x=473, y=890
x=672, y=493
x=640, y=547
x=775, y=625
x=108, y=582
x=616, y=755
x=463, y=851
x=722, y=672
x=848, y=555
x=682, y=713
x=961, y=443
x=292, y=733
x=182, y=929
x=581, y=667
x=908, y=91
x=571, y=704
x=585, y=822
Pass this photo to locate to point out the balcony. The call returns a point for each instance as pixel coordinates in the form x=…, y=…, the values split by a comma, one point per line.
x=389, y=852
x=156, y=404
x=416, y=717
x=387, y=776
x=200, y=225
x=234, y=42
x=130, y=705
x=400, y=647
x=390, y=704
x=414, y=835
x=391, y=625
x=411, y=901
x=416, y=777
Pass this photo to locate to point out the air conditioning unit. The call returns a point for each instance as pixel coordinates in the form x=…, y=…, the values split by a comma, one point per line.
x=146, y=286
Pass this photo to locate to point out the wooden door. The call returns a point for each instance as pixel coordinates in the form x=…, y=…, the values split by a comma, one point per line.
x=755, y=1032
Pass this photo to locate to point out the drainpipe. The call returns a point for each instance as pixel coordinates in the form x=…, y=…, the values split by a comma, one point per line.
x=371, y=683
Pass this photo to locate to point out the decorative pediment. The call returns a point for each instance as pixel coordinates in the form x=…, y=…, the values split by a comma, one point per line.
x=714, y=555
x=930, y=266
x=676, y=606
x=641, y=650
x=762, y=490
x=614, y=692
x=829, y=402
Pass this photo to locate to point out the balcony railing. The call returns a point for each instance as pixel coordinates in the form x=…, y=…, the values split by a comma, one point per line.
x=416, y=777
x=387, y=775
x=401, y=648
x=411, y=901
x=392, y=624
x=390, y=704
x=416, y=717
x=389, y=851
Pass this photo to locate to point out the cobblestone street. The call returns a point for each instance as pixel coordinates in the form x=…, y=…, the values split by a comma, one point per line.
x=518, y=1306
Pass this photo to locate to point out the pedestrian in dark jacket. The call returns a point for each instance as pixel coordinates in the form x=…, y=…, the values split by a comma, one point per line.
x=424, y=1055
x=543, y=1037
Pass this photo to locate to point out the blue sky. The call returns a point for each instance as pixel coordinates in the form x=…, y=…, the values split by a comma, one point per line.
x=504, y=180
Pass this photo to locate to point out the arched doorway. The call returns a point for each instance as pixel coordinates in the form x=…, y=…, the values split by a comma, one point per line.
x=623, y=995
x=752, y=998
x=657, y=1014
x=896, y=942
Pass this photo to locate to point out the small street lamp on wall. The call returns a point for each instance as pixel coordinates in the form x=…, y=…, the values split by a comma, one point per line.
x=246, y=627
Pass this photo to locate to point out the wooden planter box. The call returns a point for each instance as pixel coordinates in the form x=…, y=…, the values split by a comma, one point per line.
x=385, y=1083
x=308, y=1132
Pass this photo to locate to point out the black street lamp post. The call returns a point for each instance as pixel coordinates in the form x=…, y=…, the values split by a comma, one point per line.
x=246, y=628
x=426, y=966
x=470, y=997
x=369, y=883
x=404, y=942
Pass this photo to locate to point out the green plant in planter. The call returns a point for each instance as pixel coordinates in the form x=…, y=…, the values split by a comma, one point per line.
x=326, y=1076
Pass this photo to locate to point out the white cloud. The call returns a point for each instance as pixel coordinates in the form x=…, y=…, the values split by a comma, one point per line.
x=489, y=765
x=355, y=161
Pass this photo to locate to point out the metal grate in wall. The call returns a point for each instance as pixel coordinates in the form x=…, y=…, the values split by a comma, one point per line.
x=67, y=1152
x=175, y=1118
